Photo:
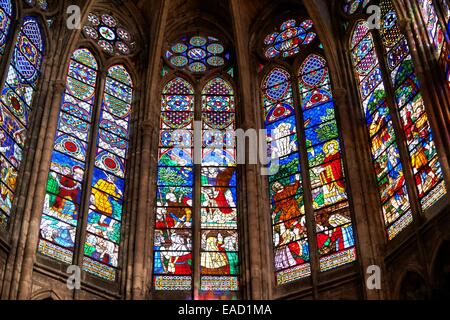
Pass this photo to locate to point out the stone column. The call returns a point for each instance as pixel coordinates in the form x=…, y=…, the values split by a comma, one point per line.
x=25, y=280
x=252, y=223
x=141, y=234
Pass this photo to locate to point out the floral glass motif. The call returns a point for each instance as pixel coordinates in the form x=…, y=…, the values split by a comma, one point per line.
x=173, y=260
x=108, y=33
x=68, y=168
x=219, y=260
x=198, y=54
x=41, y=4
x=289, y=38
x=333, y=222
x=432, y=23
x=353, y=6
x=101, y=248
x=290, y=239
x=385, y=152
x=422, y=150
x=16, y=104
x=6, y=12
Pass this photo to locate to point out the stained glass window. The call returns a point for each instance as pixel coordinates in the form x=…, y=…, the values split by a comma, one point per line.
x=64, y=205
x=101, y=248
x=408, y=106
x=432, y=23
x=385, y=152
x=324, y=176
x=334, y=228
x=446, y=54
x=427, y=169
x=109, y=34
x=353, y=6
x=198, y=54
x=173, y=259
x=41, y=4
x=289, y=38
x=215, y=175
x=6, y=12
x=17, y=95
x=219, y=261
x=290, y=238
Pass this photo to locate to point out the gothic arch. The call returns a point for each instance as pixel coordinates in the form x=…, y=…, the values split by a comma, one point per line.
x=412, y=286
x=440, y=271
x=45, y=294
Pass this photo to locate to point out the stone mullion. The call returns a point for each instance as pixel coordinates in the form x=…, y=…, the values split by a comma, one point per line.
x=197, y=192
x=306, y=186
x=81, y=231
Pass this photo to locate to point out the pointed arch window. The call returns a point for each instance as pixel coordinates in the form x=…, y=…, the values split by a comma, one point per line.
x=197, y=197
x=307, y=187
x=86, y=182
x=427, y=169
x=395, y=114
x=16, y=103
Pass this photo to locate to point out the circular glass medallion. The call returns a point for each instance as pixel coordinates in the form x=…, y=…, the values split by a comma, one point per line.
x=122, y=47
x=270, y=38
x=106, y=46
x=179, y=61
x=124, y=34
x=271, y=53
x=216, y=48
x=197, y=54
x=179, y=48
x=93, y=19
x=90, y=32
x=198, y=41
x=197, y=67
x=109, y=20
x=107, y=33
x=216, y=61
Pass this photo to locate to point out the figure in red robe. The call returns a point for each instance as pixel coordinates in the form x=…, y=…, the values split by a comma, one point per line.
x=68, y=189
